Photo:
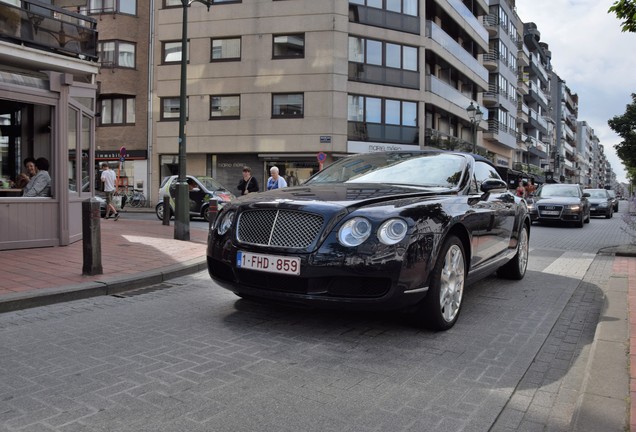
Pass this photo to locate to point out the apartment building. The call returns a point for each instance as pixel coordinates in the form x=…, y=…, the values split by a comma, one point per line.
x=538, y=130
x=47, y=110
x=565, y=107
x=281, y=82
x=586, y=143
x=125, y=65
x=501, y=99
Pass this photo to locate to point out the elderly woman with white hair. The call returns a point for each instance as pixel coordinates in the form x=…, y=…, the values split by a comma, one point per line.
x=275, y=181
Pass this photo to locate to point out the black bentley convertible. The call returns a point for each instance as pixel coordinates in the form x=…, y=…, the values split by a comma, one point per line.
x=376, y=231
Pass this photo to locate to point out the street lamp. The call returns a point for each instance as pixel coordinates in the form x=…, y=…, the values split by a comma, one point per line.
x=528, y=141
x=182, y=206
x=475, y=115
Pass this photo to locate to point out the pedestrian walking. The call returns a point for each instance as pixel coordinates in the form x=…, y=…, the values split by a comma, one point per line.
x=108, y=179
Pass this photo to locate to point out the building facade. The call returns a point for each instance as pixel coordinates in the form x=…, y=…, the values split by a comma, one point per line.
x=125, y=60
x=278, y=82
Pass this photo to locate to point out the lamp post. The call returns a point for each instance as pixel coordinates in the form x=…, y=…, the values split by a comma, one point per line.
x=475, y=115
x=182, y=206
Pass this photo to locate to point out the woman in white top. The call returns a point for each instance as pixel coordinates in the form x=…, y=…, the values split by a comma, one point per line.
x=275, y=181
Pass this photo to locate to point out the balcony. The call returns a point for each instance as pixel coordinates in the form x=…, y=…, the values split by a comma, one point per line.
x=523, y=112
x=491, y=22
x=441, y=140
x=491, y=61
x=536, y=65
x=374, y=74
x=528, y=168
x=491, y=97
x=50, y=28
x=384, y=19
x=449, y=93
x=522, y=83
x=435, y=32
x=470, y=19
x=523, y=55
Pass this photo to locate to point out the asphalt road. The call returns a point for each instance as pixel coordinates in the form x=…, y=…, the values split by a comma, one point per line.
x=189, y=356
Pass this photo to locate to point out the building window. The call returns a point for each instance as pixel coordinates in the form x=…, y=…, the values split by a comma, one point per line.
x=289, y=46
x=289, y=105
x=177, y=3
x=380, y=53
x=171, y=52
x=116, y=54
x=406, y=7
x=170, y=108
x=226, y=49
x=380, y=119
x=110, y=6
x=117, y=110
x=225, y=107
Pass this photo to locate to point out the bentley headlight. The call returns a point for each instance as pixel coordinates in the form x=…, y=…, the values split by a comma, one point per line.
x=354, y=232
x=392, y=231
x=225, y=223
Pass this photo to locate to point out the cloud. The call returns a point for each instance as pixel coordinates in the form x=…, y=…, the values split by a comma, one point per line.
x=593, y=56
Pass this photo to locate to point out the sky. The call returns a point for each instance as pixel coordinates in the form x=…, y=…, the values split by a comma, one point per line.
x=594, y=58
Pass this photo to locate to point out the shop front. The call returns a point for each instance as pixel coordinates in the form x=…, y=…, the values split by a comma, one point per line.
x=227, y=169
x=51, y=119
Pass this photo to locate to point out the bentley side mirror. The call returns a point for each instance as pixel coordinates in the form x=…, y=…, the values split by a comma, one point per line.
x=491, y=184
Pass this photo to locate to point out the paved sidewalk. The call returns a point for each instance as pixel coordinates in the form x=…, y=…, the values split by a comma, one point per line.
x=134, y=253
x=141, y=253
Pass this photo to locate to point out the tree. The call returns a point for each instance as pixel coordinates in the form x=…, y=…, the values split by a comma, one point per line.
x=625, y=126
x=625, y=10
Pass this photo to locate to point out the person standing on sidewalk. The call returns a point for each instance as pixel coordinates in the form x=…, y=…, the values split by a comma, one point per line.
x=248, y=183
x=275, y=181
x=108, y=179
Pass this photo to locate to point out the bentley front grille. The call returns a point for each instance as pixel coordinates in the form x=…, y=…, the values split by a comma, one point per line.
x=278, y=228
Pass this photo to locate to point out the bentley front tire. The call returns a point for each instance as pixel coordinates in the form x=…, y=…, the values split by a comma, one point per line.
x=443, y=302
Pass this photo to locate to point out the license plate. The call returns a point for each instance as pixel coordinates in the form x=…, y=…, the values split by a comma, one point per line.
x=268, y=263
x=550, y=212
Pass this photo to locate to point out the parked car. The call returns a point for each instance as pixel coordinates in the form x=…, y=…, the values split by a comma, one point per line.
x=377, y=231
x=614, y=199
x=205, y=189
x=560, y=202
x=601, y=203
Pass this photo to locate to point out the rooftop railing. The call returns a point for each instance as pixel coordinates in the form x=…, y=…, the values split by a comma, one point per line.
x=51, y=28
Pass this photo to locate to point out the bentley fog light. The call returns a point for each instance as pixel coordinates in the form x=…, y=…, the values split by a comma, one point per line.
x=354, y=232
x=392, y=231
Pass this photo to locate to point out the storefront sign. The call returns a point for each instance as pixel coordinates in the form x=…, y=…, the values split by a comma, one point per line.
x=116, y=154
x=367, y=147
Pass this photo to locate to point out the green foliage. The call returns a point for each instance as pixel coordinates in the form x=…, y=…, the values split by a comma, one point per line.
x=626, y=11
x=625, y=126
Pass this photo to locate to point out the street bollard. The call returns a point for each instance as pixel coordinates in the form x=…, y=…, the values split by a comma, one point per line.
x=166, y=209
x=213, y=211
x=91, y=238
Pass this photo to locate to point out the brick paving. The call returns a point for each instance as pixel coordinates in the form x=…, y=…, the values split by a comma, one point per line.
x=194, y=359
x=129, y=247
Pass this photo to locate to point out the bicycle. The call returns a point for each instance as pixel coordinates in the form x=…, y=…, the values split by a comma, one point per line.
x=137, y=198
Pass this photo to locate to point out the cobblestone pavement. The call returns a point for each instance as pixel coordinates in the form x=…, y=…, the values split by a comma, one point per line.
x=185, y=355
x=189, y=356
